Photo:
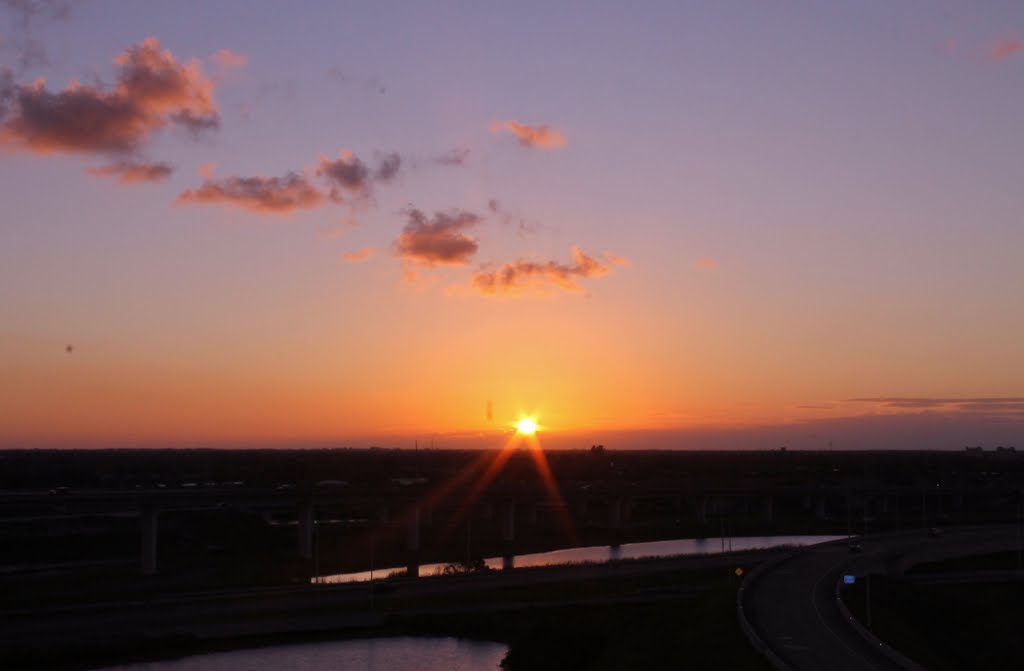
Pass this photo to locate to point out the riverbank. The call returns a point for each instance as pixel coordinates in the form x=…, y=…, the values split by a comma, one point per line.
x=539, y=612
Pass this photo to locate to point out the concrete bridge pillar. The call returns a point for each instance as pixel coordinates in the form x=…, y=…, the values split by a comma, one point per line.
x=615, y=513
x=307, y=524
x=508, y=521
x=149, y=519
x=412, y=529
x=768, y=508
x=702, y=510
x=820, y=507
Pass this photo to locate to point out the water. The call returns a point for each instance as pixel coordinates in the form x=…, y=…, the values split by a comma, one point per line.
x=604, y=553
x=373, y=654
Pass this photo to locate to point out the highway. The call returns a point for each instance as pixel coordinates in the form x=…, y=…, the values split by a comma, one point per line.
x=792, y=607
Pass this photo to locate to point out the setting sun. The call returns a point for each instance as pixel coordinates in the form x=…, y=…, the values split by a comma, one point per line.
x=526, y=426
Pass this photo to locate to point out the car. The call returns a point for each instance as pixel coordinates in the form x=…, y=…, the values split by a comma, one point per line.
x=855, y=547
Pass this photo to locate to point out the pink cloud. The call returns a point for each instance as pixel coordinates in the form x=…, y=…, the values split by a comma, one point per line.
x=441, y=240
x=537, y=137
x=1006, y=47
x=705, y=264
x=132, y=172
x=273, y=195
x=229, y=60
x=521, y=276
x=152, y=90
x=358, y=255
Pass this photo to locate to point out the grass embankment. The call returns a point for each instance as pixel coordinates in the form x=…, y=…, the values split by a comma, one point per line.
x=672, y=620
x=946, y=627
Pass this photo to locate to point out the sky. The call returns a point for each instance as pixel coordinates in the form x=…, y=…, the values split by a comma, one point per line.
x=675, y=225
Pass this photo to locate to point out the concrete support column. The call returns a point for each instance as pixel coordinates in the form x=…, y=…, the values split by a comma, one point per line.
x=702, y=510
x=149, y=519
x=412, y=529
x=768, y=508
x=508, y=521
x=307, y=522
x=820, y=507
x=615, y=513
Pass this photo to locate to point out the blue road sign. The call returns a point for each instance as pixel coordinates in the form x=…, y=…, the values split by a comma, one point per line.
x=849, y=579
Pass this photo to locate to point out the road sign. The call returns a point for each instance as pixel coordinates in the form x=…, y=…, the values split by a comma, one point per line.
x=849, y=579
x=738, y=572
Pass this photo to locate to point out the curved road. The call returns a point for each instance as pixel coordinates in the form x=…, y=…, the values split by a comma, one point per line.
x=792, y=605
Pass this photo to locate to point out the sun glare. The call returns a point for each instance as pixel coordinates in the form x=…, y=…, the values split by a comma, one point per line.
x=527, y=426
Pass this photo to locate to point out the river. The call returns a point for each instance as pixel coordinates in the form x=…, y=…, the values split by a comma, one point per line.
x=404, y=653
x=604, y=553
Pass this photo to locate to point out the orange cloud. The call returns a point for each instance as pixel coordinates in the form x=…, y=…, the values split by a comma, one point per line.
x=617, y=260
x=521, y=276
x=1006, y=47
x=358, y=255
x=131, y=172
x=537, y=137
x=705, y=264
x=153, y=90
x=438, y=241
x=274, y=195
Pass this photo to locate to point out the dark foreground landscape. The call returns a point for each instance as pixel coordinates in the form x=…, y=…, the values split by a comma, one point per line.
x=115, y=555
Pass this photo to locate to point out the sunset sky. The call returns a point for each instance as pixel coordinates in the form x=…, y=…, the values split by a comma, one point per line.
x=721, y=224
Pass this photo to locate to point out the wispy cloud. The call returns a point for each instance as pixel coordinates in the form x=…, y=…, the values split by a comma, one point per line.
x=1006, y=47
x=359, y=255
x=273, y=195
x=535, y=137
x=27, y=16
x=229, y=60
x=131, y=172
x=523, y=276
x=440, y=240
x=457, y=156
x=972, y=404
x=153, y=90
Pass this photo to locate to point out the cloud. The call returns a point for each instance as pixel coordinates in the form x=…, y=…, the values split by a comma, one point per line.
x=349, y=175
x=457, y=156
x=229, y=60
x=388, y=167
x=131, y=172
x=976, y=404
x=523, y=226
x=617, y=260
x=273, y=195
x=1006, y=47
x=535, y=137
x=522, y=276
x=438, y=241
x=358, y=255
x=705, y=264
x=28, y=13
x=152, y=91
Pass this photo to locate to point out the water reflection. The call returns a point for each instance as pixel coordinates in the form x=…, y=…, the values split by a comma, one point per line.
x=603, y=553
x=374, y=654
